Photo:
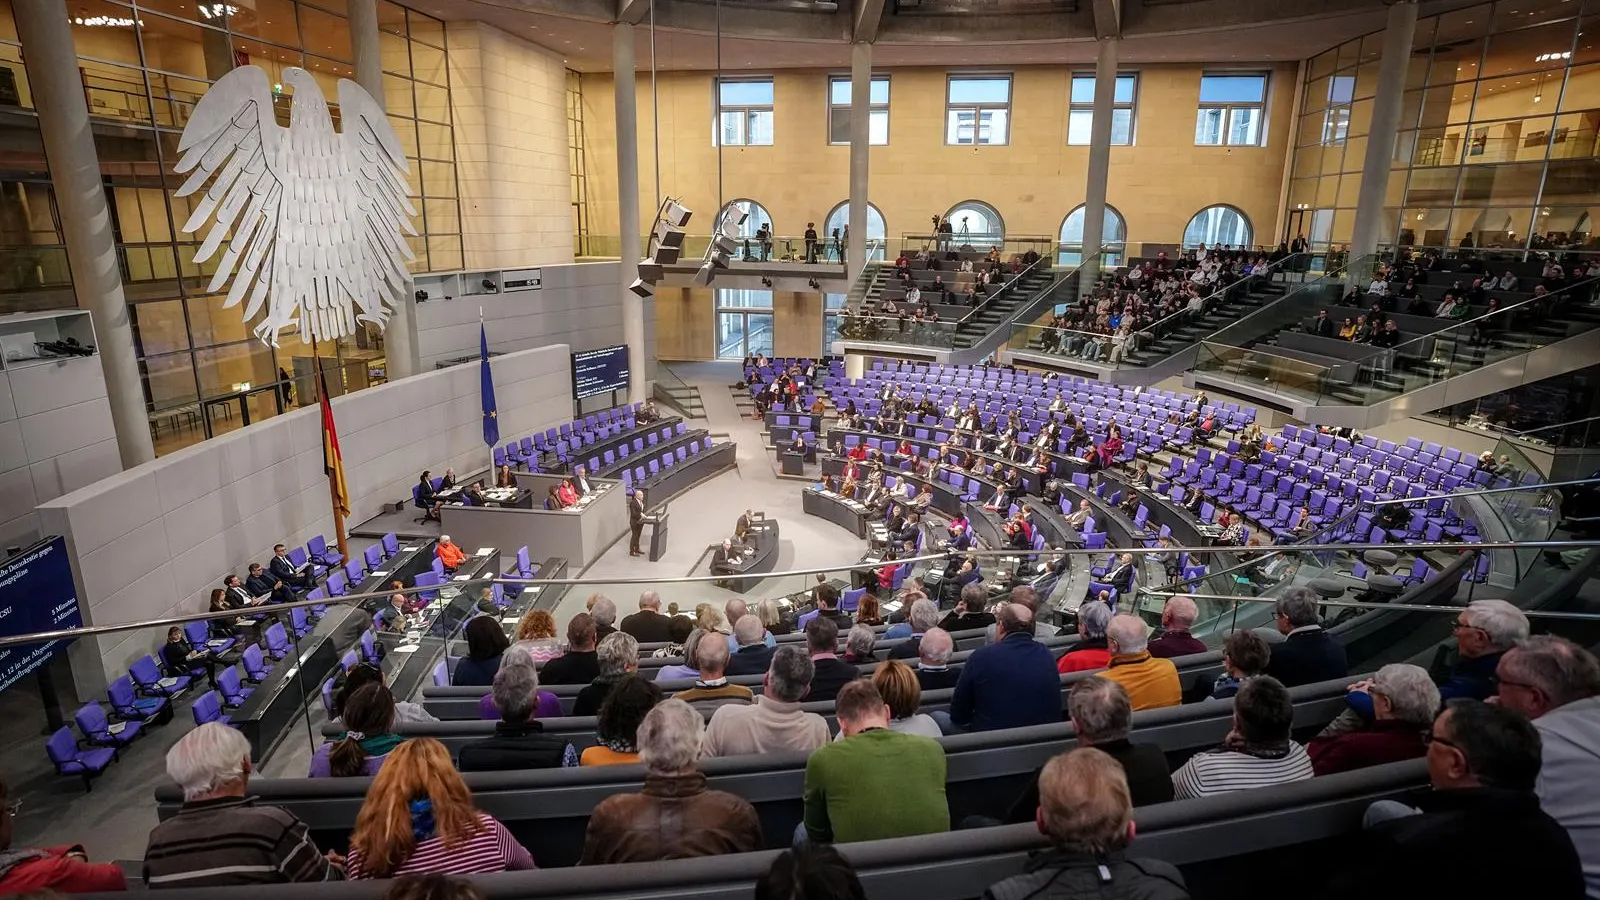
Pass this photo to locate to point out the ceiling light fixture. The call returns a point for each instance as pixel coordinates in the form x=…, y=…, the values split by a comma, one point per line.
x=106, y=21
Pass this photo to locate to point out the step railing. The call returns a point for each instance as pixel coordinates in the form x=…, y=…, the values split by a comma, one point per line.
x=938, y=335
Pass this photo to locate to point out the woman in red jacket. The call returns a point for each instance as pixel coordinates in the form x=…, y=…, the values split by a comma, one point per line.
x=63, y=869
x=1111, y=448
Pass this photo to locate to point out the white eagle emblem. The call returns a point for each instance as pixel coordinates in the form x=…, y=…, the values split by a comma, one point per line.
x=317, y=218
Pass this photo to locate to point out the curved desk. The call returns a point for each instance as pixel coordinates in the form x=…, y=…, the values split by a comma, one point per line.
x=743, y=577
x=847, y=514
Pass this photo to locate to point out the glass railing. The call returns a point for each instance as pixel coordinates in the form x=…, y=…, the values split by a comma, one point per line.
x=1577, y=433
x=872, y=325
x=747, y=250
x=1007, y=245
x=1465, y=259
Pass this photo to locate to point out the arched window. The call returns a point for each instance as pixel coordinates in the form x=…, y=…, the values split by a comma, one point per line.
x=1113, y=236
x=877, y=232
x=1218, y=225
x=756, y=215
x=975, y=222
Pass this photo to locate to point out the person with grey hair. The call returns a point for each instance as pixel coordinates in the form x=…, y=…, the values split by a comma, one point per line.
x=923, y=615
x=1102, y=717
x=933, y=660
x=969, y=613
x=1404, y=700
x=712, y=688
x=1010, y=683
x=690, y=667
x=1258, y=752
x=752, y=655
x=775, y=723
x=519, y=741
x=1151, y=682
x=1093, y=651
x=1177, y=617
x=1556, y=683
x=618, y=655
x=1308, y=654
x=605, y=616
x=221, y=837
x=1029, y=597
x=675, y=816
x=1485, y=631
x=858, y=645
x=648, y=625
x=736, y=610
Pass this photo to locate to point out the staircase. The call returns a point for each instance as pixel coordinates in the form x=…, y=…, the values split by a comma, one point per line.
x=676, y=393
x=1236, y=306
x=980, y=324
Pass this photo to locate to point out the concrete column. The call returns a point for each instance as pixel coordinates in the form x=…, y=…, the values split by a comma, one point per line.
x=627, y=108
x=1386, y=107
x=400, y=334
x=52, y=64
x=1094, y=191
x=860, y=147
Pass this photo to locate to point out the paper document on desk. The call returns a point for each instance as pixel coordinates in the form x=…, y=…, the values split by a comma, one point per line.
x=380, y=574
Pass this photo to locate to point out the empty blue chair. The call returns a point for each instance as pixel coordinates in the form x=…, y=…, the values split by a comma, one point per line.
x=277, y=641
x=441, y=674
x=199, y=635
x=70, y=759
x=97, y=729
x=300, y=621
x=208, y=708
x=369, y=647
x=354, y=571
x=851, y=601
x=391, y=544
x=228, y=685
x=322, y=554
x=374, y=557
x=255, y=663
x=428, y=580
x=318, y=609
x=327, y=698
x=349, y=661
x=338, y=585
x=126, y=704
x=147, y=676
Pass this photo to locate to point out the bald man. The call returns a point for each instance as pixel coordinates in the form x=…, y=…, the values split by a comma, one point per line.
x=733, y=611
x=1177, y=617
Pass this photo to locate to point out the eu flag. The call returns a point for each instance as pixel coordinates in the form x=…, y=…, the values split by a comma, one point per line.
x=491, y=422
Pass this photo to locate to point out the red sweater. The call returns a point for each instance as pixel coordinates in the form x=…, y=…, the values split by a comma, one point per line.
x=1384, y=741
x=59, y=872
x=1085, y=660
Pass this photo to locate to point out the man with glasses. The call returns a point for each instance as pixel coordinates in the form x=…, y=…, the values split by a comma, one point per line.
x=1484, y=632
x=1480, y=831
x=49, y=869
x=1556, y=683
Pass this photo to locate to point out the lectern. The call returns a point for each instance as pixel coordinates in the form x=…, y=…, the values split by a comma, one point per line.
x=658, y=534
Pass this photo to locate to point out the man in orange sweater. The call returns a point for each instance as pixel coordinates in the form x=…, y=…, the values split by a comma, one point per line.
x=449, y=554
x=63, y=869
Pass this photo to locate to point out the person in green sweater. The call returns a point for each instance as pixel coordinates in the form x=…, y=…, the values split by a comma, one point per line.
x=875, y=783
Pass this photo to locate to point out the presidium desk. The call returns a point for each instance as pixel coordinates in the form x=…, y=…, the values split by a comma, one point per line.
x=579, y=533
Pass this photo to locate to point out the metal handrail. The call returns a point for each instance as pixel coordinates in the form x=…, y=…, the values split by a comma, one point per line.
x=1517, y=434
x=1270, y=270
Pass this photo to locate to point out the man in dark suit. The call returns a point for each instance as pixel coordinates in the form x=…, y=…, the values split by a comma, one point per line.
x=832, y=673
x=285, y=571
x=753, y=657
x=1308, y=654
x=260, y=584
x=648, y=624
x=635, y=521
x=1322, y=326
x=923, y=615
x=826, y=597
x=1121, y=575
x=741, y=526
x=238, y=596
x=580, y=480
x=726, y=557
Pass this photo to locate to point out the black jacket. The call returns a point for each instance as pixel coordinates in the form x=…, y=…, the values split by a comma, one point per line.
x=752, y=660
x=1068, y=875
x=1306, y=658
x=648, y=626
x=514, y=747
x=910, y=648
x=573, y=667
x=1149, y=779
x=938, y=681
x=831, y=675
x=588, y=701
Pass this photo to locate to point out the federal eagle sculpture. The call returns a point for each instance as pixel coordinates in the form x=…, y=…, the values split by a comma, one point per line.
x=311, y=223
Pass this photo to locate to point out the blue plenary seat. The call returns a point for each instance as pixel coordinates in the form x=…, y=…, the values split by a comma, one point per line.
x=128, y=705
x=147, y=676
x=70, y=759
x=98, y=730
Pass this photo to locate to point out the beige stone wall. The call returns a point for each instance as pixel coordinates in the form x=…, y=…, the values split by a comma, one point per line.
x=509, y=100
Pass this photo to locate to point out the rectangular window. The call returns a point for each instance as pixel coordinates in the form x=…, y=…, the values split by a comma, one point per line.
x=1080, y=115
x=1231, y=110
x=839, y=110
x=744, y=113
x=978, y=110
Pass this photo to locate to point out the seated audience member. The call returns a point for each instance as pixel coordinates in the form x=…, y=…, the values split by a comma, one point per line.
x=1404, y=700
x=1177, y=617
x=711, y=689
x=286, y=571
x=260, y=584
x=618, y=656
x=553, y=499
x=675, y=815
x=418, y=817
x=1483, y=764
x=1010, y=683
x=689, y=650
x=922, y=615
x=829, y=673
x=773, y=619
x=392, y=619
x=427, y=498
x=346, y=683
x=1258, y=752
x=568, y=492
x=536, y=633
x=648, y=625
x=933, y=661
x=486, y=642
x=1102, y=718
x=179, y=657
x=368, y=739
x=1085, y=810
x=617, y=725
x=519, y=741
x=774, y=723
x=1556, y=683
x=732, y=612
x=1151, y=682
x=826, y=597
x=1028, y=596
x=874, y=782
x=754, y=655
x=897, y=684
x=858, y=644
x=1093, y=651
x=1485, y=631
x=1307, y=654
x=449, y=554
x=870, y=612
x=48, y=872
x=221, y=837
x=605, y=616
x=969, y=613
x=1244, y=656
x=581, y=663
x=810, y=872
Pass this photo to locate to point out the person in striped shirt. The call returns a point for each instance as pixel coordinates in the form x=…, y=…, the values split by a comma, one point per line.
x=418, y=818
x=1257, y=752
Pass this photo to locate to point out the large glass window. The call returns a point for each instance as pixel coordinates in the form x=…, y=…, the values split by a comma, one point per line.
x=975, y=222
x=1216, y=225
x=877, y=231
x=1080, y=116
x=744, y=112
x=839, y=88
x=744, y=322
x=1231, y=109
x=978, y=109
x=1336, y=118
x=1113, y=236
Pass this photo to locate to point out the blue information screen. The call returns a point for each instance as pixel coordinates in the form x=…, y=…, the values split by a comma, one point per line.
x=599, y=371
x=36, y=594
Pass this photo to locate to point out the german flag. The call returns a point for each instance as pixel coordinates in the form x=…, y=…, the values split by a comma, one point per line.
x=332, y=461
